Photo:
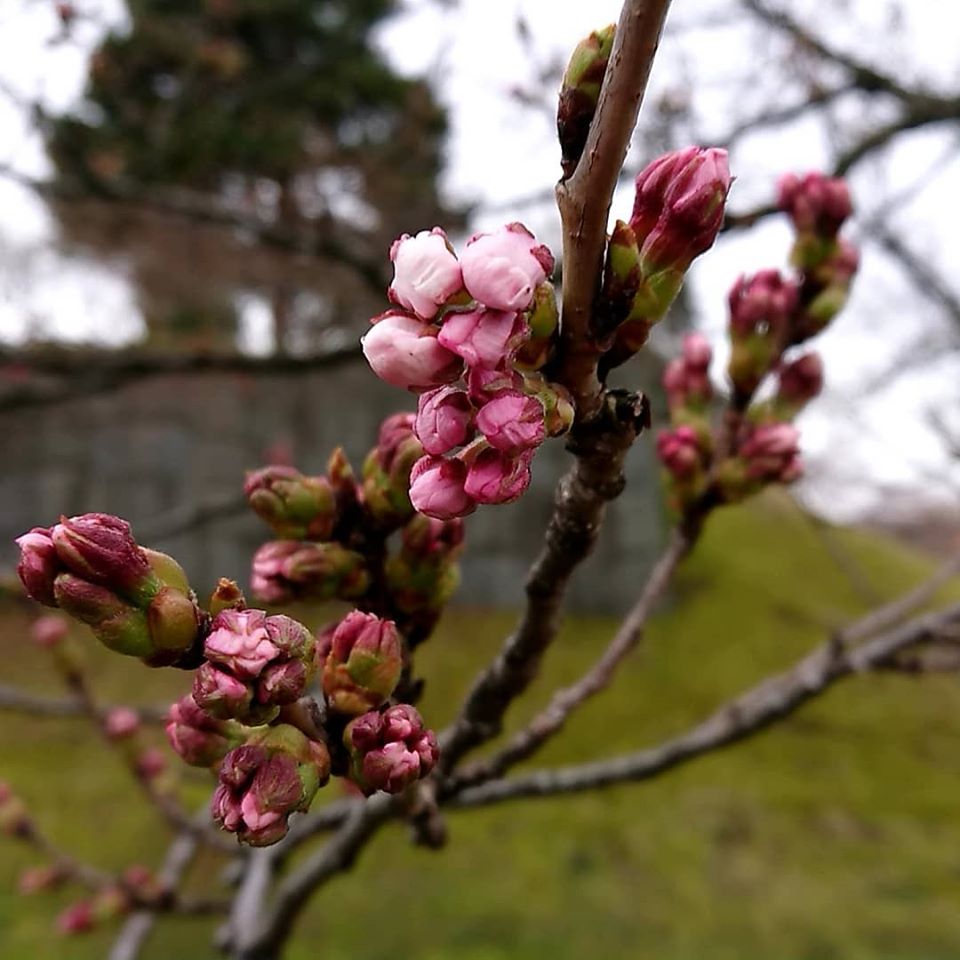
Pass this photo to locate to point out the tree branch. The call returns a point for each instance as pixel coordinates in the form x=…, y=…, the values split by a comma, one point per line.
x=746, y=715
x=19, y=701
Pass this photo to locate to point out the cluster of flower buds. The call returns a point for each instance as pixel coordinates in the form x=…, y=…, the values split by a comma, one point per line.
x=390, y=750
x=277, y=772
x=137, y=601
x=770, y=314
x=677, y=213
x=469, y=335
x=579, y=93
x=200, y=739
x=255, y=665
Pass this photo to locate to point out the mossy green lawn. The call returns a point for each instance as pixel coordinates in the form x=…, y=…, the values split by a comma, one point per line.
x=834, y=835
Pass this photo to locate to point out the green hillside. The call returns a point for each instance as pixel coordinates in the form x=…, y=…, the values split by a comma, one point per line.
x=834, y=836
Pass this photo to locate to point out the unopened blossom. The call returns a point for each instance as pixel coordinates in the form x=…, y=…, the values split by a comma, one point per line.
x=800, y=381
x=815, y=202
x=512, y=422
x=426, y=272
x=239, y=640
x=762, y=304
x=48, y=631
x=39, y=565
x=772, y=453
x=407, y=353
x=390, y=750
x=121, y=722
x=484, y=383
x=437, y=488
x=679, y=451
x=284, y=570
x=501, y=270
x=296, y=507
x=444, y=419
x=484, y=337
x=678, y=207
x=385, y=490
x=199, y=739
x=362, y=666
x=495, y=477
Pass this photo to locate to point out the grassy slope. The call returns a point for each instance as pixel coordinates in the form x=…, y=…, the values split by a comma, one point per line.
x=835, y=835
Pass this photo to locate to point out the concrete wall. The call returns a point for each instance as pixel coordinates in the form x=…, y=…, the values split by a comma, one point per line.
x=182, y=443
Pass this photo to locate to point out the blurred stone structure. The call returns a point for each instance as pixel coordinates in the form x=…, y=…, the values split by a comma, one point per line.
x=167, y=450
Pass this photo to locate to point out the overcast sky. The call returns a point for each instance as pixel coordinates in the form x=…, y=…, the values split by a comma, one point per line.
x=500, y=151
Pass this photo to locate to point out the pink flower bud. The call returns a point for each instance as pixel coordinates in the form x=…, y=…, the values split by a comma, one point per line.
x=386, y=472
x=772, y=453
x=444, y=419
x=48, y=631
x=484, y=337
x=437, y=488
x=100, y=549
x=39, y=565
x=815, y=203
x=679, y=451
x=678, y=209
x=484, y=383
x=427, y=537
x=762, y=305
x=496, y=477
x=801, y=380
x=220, y=693
x=391, y=750
x=198, y=738
x=286, y=569
x=297, y=507
x=363, y=665
x=77, y=918
x=426, y=272
x=697, y=352
x=239, y=641
x=512, y=422
x=40, y=879
x=502, y=270
x=404, y=352
x=121, y=723
x=151, y=763
x=282, y=683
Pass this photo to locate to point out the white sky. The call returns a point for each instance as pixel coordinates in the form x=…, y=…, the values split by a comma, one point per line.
x=499, y=151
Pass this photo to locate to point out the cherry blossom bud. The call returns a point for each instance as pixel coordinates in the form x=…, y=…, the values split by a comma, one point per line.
x=404, y=352
x=696, y=352
x=151, y=764
x=512, y=422
x=501, y=270
x=622, y=276
x=48, y=631
x=120, y=723
x=100, y=549
x=40, y=879
x=276, y=773
x=484, y=337
x=437, y=488
x=200, y=739
x=423, y=575
x=679, y=452
x=579, y=93
x=444, y=419
x=238, y=640
x=390, y=751
x=39, y=565
x=800, y=381
x=295, y=506
x=363, y=665
x=427, y=537
x=223, y=695
x=116, y=624
x=543, y=319
x=284, y=570
x=343, y=482
x=484, y=383
x=678, y=208
x=495, y=477
x=815, y=202
x=77, y=918
x=426, y=272
x=772, y=453
x=227, y=595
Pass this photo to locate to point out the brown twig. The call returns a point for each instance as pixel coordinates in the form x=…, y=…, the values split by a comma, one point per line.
x=19, y=701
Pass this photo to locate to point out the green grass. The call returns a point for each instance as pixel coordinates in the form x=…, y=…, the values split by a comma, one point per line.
x=833, y=836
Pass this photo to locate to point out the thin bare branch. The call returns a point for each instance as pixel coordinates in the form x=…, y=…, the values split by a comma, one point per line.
x=19, y=701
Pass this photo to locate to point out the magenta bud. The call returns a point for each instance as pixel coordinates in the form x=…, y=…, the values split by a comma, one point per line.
x=484, y=337
x=512, y=422
x=426, y=272
x=391, y=750
x=437, y=488
x=220, y=693
x=495, y=477
x=151, y=764
x=100, y=549
x=444, y=419
x=284, y=570
x=40, y=879
x=800, y=381
x=48, y=631
x=386, y=472
x=679, y=452
x=427, y=537
x=39, y=565
x=501, y=270
x=363, y=666
x=815, y=203
x=198, y=738
x=678, y=208
x=295, y=506
x=116, y=624
x=772, y=453
x=762, y=305
x=405, y=352
x=77, y=918
x=484, y=383
x=121, y=723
